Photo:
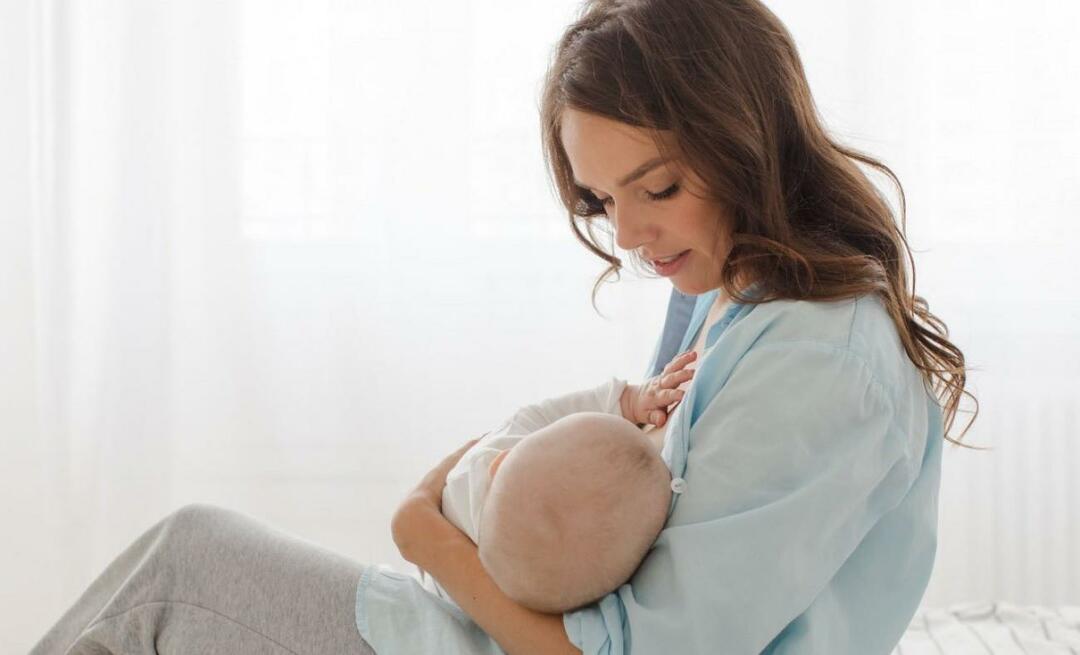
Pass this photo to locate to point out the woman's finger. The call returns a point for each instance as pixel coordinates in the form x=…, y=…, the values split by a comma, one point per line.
x=437, y=475
x=431, y=485
x=457, y=454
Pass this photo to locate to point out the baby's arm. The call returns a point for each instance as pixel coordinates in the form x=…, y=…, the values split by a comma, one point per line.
x=649, y=402
x=653, y=400
x=602, y=398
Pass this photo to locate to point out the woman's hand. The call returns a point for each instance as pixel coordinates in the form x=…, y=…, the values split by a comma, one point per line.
x=419, y=518
x=654, y=400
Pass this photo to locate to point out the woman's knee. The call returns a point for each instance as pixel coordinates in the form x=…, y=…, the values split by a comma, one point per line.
x=198, y=518
x=196, y=512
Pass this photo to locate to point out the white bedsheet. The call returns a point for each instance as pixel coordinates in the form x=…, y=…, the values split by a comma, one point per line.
x=988, y=628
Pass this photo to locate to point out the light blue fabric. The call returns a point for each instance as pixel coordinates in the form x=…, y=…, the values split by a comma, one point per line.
x=680, y=310
x=811, y=450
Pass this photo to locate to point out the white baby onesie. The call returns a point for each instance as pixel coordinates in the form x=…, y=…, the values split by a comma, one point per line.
x=467, y=483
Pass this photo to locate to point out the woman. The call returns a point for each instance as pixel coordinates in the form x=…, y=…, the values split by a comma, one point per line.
x=808, y=445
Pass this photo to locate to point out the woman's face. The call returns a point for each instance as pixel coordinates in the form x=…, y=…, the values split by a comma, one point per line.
x=655, y=213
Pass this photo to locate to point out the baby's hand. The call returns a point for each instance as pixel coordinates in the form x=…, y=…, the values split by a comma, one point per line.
x=652, y=401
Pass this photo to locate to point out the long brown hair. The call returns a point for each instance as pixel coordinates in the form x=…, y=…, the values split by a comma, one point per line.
x=721, y=83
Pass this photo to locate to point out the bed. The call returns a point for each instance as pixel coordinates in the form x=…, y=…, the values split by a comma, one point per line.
x=993, y=628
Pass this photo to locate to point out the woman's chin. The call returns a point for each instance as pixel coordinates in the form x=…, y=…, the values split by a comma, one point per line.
x=687, y=287
x=694, y=285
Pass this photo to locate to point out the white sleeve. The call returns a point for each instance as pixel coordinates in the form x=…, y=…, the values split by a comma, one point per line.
x=603, y=398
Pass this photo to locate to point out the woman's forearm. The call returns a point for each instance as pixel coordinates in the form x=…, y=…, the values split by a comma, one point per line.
x=453, y=560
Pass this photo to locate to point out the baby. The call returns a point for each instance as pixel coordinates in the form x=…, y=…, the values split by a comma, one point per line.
x=572, y=510
x=563, y=500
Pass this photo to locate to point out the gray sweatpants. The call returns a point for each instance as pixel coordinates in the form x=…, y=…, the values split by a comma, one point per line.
x=210, y=580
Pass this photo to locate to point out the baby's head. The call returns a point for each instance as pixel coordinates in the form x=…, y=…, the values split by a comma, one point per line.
x=572, y=510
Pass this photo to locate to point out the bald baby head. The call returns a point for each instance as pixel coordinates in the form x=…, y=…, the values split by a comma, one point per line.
x=572, y=510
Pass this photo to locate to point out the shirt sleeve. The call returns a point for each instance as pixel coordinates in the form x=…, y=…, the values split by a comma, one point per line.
x=602, y=398
x=792, y=460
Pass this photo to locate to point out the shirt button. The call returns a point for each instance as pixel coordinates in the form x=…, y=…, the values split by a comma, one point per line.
x=678, y=485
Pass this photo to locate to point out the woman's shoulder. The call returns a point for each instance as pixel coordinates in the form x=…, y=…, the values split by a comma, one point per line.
x=855, y=347
x=860, y=328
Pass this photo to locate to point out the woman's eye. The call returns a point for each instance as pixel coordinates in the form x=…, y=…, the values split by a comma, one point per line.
x=595, y=205
x=666, y=193
x=589, y=204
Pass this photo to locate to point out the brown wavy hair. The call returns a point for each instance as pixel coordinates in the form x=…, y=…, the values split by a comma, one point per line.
x=719, y=83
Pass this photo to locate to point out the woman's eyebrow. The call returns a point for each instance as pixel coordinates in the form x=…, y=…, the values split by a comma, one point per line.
x=635, y=174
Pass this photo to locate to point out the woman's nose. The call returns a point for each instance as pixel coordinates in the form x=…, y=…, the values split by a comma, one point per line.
x=631, y=229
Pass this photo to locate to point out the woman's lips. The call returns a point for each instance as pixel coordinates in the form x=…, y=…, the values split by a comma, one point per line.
x=671, y=267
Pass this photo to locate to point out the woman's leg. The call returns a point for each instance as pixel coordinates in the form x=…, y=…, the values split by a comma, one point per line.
x=210, y=580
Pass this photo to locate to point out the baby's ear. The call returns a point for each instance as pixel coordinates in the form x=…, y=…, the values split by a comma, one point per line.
x=495, y=463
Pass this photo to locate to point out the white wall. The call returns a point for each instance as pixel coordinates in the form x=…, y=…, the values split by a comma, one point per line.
x=32, y=574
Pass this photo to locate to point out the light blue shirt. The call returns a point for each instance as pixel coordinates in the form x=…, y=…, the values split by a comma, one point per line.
x=811, y=453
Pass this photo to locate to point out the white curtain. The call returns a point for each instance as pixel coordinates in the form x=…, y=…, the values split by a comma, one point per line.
x=283, y=256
